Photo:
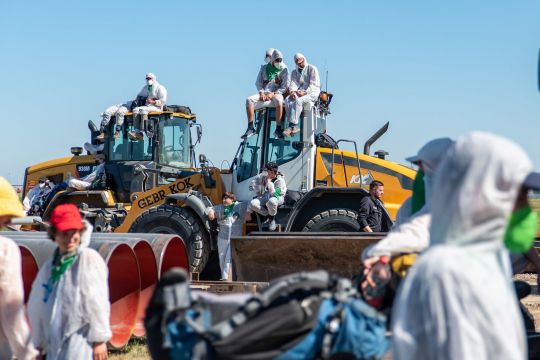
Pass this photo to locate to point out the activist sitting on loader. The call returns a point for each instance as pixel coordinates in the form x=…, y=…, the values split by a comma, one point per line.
x=304, y=87
x=272, y=83
x=271, y=188
x=155, y=96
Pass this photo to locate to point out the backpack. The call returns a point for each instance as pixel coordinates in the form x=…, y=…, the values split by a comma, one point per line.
x=178, y=109
x=299, y=316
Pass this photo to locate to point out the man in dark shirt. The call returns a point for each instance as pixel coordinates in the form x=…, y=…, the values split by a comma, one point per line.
x=370, y=214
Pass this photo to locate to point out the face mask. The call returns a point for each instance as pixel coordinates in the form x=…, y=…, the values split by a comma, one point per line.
x=150, y=82
x=278, y=65
x=419, y=192
x=521, y=230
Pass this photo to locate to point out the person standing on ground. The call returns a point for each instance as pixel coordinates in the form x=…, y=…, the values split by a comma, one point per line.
x=272, y=83
x=15, y=339
x=305, y=87
x=371, y=208
x=69, y=307
x=230, y=218
x=270, y=187
x=155, y=96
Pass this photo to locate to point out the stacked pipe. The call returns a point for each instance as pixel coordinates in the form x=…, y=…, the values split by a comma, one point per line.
x=135, y=263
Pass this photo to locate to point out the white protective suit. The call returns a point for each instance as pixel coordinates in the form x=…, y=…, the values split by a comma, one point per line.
x=85, y=182
x=15, y=338
x=37, y=191
x=118, y=110
x=228, y=226
x=75, y=314
x=278, y=85
x=458, y=302
x=411, y=234
x=157, y=92
x=306, y=79
x=270, y=194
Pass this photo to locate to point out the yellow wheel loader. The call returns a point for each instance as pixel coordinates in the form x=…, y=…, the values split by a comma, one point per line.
x=154, y=185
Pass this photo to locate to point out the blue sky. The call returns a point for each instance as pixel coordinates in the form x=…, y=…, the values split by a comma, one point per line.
x=430, y=68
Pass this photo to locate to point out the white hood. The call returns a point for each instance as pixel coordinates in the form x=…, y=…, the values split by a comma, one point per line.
x=475, y=189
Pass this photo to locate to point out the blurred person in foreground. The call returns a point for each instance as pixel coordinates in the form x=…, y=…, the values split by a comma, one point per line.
x=69, y=306
x=458, y=301
x=413, y=220
x=15, y=339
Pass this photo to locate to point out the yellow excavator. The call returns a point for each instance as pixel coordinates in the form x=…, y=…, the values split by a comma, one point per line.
x=156, y=185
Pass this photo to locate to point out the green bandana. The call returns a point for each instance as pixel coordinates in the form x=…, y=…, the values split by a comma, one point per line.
x=277, y=192
x=521, y=230
x=228, y=210
x=60, y=264
x=271, y=72
x=419, y=192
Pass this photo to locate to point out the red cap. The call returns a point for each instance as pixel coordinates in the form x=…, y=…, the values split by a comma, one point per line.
x=66, y=217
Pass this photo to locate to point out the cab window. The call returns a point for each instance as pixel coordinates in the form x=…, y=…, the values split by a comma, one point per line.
x=123, y=149
x=250, y=158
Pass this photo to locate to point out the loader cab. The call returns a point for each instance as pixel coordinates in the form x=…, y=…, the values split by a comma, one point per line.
x=295, y=155
x=170, y=147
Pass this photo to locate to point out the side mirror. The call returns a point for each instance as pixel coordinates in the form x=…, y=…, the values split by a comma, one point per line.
x=199, y=133
x=202, y=158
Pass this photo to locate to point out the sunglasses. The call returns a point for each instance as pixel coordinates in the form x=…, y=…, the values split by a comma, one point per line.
x=149, y=78
x=278, y=60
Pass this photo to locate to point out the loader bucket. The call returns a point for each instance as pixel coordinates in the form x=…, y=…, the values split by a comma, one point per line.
x=264, y=256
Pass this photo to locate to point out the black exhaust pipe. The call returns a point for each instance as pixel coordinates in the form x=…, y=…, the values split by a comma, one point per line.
x=375, y=137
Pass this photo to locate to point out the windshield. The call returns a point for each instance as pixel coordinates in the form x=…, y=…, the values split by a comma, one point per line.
x=175, y=142
x=173, y=136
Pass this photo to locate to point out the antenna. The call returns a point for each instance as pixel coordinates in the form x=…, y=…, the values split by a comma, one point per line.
x=326, y=81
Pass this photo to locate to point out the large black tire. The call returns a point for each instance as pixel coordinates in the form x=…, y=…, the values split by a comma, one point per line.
x=333, y=220
x=168, y=219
